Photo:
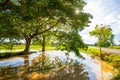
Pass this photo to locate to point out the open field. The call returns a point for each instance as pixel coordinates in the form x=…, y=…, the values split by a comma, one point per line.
x=115, y=47
x=21, y=47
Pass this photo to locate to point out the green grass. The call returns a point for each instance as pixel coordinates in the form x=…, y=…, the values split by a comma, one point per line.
x=18, y=47
x=114, y=60
x=32, y=47
x=116, y=77
x=14, y=52
x=93, y=51
x=21, y=47
x=115, y=47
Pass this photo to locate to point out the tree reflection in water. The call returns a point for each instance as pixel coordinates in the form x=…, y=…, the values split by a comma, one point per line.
x=56, y=69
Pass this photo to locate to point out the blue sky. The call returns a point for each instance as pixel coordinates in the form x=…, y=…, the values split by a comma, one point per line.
x=105, y=12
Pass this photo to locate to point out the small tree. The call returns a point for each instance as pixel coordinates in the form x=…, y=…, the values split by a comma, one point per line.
x=104, y=35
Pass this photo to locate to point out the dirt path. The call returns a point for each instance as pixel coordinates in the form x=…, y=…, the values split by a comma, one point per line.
x=110, y=51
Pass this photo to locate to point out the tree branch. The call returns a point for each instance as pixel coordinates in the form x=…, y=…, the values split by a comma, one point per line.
x=49, y=28
x=39, y=33
x=35, y=34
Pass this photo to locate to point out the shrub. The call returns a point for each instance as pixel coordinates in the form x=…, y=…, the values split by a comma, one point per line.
x=116, y=77
x=94, y=51
x=114, y=59
x=9, y=54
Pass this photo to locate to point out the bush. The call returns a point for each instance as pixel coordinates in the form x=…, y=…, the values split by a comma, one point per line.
x=114, y=59
x=9, y=54
x=94, y=51
x=116, y=77
x=2, y=55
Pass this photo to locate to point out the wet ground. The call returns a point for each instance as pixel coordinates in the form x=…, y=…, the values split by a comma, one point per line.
x=56, y=66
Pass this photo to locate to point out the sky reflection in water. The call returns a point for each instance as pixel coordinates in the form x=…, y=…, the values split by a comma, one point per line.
x=86, y=67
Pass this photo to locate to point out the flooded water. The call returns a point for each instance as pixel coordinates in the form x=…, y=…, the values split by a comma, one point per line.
x=56, y=66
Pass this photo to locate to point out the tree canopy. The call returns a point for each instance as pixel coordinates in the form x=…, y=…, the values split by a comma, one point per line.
x=31, y=18
x=104, y=35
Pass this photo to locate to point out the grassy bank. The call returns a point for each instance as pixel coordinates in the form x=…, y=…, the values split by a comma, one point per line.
x=112, y=59
x=18, y=50
x=93, y=51
x=10, y=54
x=21, y=47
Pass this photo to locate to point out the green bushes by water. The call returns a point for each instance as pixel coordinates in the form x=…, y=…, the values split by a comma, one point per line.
x=94, y=51
x=113, y=59
x=10, y=54
x=116, y=77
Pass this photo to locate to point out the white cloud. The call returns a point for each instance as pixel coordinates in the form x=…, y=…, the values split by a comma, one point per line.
x=88, y=39
x=118, y=17
x=86, y=36
x=104, y=12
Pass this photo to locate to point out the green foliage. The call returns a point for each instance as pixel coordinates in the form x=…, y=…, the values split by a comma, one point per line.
x=29, y=19
x=8, y=44
x=94, y=52
x=114, y=60
x=116, y=77
x=70, y=41
x=10, y=54
x=104, y=35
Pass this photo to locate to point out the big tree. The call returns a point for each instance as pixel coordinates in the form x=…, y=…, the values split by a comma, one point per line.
x=34, y=18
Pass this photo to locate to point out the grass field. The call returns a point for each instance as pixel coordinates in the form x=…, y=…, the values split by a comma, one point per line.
x=17, y=50
x=115, y=47
x=21, y=47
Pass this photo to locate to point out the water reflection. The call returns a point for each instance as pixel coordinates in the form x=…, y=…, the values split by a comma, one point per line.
x=56, y=66
x=45, y=69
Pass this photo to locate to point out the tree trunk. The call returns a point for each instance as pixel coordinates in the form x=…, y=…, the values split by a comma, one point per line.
x=101, y=53
x=43, y=43
x=101, y=56
x=43, y=51
x=27, y=45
